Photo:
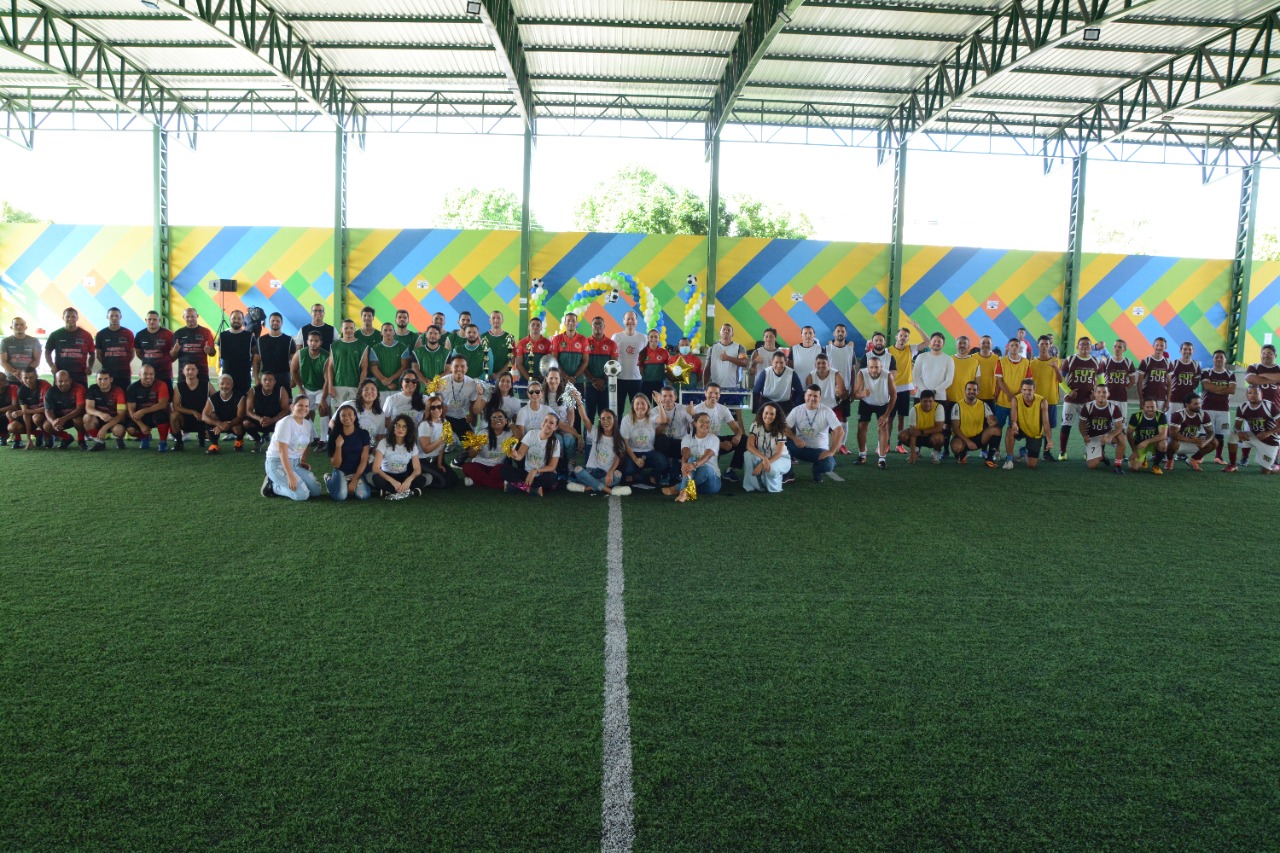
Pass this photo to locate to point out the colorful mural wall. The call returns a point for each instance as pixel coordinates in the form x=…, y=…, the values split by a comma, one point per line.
x=781, y=283
x=1139, y=298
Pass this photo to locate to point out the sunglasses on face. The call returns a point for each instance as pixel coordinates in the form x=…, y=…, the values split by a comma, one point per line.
x=533, y=391
x=437, y=406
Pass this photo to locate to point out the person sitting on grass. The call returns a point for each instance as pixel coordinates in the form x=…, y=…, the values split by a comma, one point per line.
x=735, y=443
x=699, y=463
x=768, y=459
x=532, y=466
x=266, y=404
x=224, y=414
x=431, y=446
x=926, y=425
x=639, y=433
x=1148, y=436
x=484, y=464
x=601, y=473
x=568, y=411
x=813, y=431
x=104, y=412
x=190, y=396
x=288, y=474
x=397, y=471
x=64, y=411
x=348, y=448
x=148, y=403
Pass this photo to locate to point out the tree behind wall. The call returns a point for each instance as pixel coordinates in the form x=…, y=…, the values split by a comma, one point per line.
x=9, y=213
x=477, y=208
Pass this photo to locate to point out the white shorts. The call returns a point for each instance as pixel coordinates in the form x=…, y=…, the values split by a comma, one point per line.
x=1071, y=413
x=314, y=397
x=1185, y=447
x=1093, y=448
x=1124, y=411
x=1221, y=422
x=342, y=394
x=1263, y=454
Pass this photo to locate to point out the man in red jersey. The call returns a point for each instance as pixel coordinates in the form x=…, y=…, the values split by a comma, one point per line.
x=1153, y=376
x=1101, y=424
x=570, y=349
x=29, y=416
x=1219, y=383
x=148, y=403
x=64, y=411
x=600, y=350
x=1266, y=375
x=530, y=350
x=153, y=346
x=1190, y=432
x=1081, y=374
x=193, y=344
x=104, y=412
x=1258, y=422
x=70, y=348
x=1119, y=373
x=114, y=346
x=1184, y=376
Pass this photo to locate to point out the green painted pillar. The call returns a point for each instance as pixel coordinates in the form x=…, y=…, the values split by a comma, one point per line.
x=340, y=227
x=895, y=249
x=1075, y=242
x=160, y=223
x=526, y=241
x=709, y=334
x=1242, y=265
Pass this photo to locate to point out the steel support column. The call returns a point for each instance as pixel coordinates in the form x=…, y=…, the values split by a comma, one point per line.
x=160, y=223
x=526, y=243
x=1242, y=265
x=713, y=242
x=895, y=249
x=1075, y=239
x=339, y=226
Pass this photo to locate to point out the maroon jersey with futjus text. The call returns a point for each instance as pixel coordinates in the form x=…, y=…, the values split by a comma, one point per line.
x=1183, y=379
x=1198, y=425
x=1098, y=420
x=1260, y=418
x=1080, y=374
x=1216, y=401
x=1270, y=392
x=1155, y=378
x=1117, y=376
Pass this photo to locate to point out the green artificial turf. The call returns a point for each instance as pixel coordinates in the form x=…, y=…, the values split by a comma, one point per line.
x=925, y=657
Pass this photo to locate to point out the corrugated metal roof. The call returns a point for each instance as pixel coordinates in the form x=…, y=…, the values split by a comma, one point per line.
x=550, y=35
x=400, y=32
x=633, y=11
x=551, y=64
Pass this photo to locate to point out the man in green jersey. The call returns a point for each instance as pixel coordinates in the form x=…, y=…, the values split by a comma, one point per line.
x=454, y=339
x=405, y=335
x=310, y=370
x=368, y=333
x=429, y=359
x=473, y=351
x=501, y=344
x=384, y=362
x=347, y=366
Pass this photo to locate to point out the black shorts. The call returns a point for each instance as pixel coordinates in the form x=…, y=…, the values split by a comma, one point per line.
x=902, y=405
x=866, y=411
x=1034, y=446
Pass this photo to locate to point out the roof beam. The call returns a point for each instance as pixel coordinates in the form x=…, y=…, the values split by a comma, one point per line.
x=17, y=122
x=1012, y=37
x=500, y=21
x=1178, y=83
x=1247, y=146
x=60, y=46
x=765, y=20
x=274, y=41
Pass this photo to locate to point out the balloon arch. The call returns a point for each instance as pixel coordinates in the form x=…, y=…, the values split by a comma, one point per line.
x=611, y=286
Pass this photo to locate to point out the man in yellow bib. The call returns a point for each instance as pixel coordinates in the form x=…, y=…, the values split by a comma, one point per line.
x=1028, y=418
x=973, y=426
x=925, y=426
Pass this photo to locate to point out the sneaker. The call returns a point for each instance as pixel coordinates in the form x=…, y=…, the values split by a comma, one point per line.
x=937, y=458
x=163, y=447
x=1062, y=457
x=1119, y=469
x=1218, y=460
x=730, y=476
x=817, y=479
x=962, y=460
x=576, y=488
x=179, y=446
x=212, y=451
x=266, y=490
x=1231, y=468
x=1022, y=452
x=901, y=449
x=467, y=481
x=257, y=445
x=843, y=451
x=144, y=444
x=1195, y=465
x=621, y=491
x=417, y=493
x=239, y=445
x=788, y=478
x=1008, y=465
x=64, y=444
x=98, y=445
x=1158, y=471
x=119, y=444
x=1182, y=457
x=84, y=445
x=1168, y=464
x=882, y=463
x=990, y=463
x=861, y=460
x=17, y=444
x=510, y=487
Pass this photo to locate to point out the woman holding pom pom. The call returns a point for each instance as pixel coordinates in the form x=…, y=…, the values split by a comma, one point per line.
x=433, y=439
x=532, y=467
x=699, y=464
x=484, y=463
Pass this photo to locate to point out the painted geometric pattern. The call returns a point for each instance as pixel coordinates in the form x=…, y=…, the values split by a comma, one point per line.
x=423, y=271
x=47, y=268
x=662, y=262
x=788, y=284
x=1264, y=310
x=1139, y=298
x=976, y=292
x=277, y=269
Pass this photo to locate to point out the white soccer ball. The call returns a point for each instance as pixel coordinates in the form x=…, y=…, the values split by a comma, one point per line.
x=612, y=367
x=535, y=286
x=613, y=296
x=691, y=281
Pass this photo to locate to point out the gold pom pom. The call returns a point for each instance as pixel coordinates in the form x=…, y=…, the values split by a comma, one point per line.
x=435, y=385
x=691, y=490
x=474, y=441
x=509, y=445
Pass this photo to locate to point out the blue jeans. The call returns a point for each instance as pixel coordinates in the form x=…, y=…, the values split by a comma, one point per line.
x=650, y=460
x=336, y=483
x=593, y=478
x=769, y=481
x=707, y=478
x=810, y=454
x=307, y=485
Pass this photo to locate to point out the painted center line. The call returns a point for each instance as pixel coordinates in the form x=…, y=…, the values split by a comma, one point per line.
x=617, y=833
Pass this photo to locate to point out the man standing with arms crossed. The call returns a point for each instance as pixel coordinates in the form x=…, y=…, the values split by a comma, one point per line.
x=70, y=348
x=193, y=344
x=114, y=346
x=1080, y=373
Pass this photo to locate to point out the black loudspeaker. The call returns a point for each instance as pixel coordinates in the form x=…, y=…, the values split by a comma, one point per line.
x=227, y=285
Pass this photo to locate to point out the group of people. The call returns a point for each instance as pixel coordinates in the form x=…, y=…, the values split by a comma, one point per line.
x=398, y=412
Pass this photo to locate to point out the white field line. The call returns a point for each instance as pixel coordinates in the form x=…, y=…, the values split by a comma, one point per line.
x=617, y=833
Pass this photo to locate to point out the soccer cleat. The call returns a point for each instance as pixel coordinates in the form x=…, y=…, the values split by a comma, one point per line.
x=64, y=444
x=576, y=488
x=179, y=446
x=257, y=445
x=266, y=489
x=621, y=491
x=239, y=445
x=1158, y=471
x=1119, y=469
x=467, y=481
x=990, y=463
x=1218, y=460
x=144, y=444
x=164, y=447
x=901, y=449
x=1231, y=468
x=1008, y=465
x=937, y=458
x=962, y=460
x=1195, y=465
x=1062, y=457
x=1168, y=463
x=730, y=476
x=882, y=463
x=119, y=444
x=844, y=451
x=98, y=445
x=861, y=460
x=17, y=444
x=212, y=451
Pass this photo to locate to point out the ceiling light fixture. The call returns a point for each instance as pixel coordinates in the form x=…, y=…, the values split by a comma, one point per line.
x=473, y=7
x=782, y=13
x=1092, y=34
x=151, y=4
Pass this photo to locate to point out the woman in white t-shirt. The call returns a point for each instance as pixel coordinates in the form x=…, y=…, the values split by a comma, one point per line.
x=529, y=419
x=767, y=443
x=407, y=401
x=700, y=461
x=601, y=473
x=484, y=464
x=639, y=432
x=369, y=414
x=431, y=446
x=397, y=472
x=288, y=474
x=500, y=396
x=569, y=415
x=532, y=468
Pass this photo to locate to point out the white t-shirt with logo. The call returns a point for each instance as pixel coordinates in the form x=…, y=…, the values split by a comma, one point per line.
x=698, y=446
x=639, y=434
x=813, y=426
x=629, y=347
x=601, y=455
x=678, y=424
x=492, y=456
x=293, y=435
x=720, y=416
x=396, y=460
x=458, y=396
x=537, y=456
x=431, y=431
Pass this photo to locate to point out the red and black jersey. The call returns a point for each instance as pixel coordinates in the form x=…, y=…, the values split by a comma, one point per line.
x=8, y=395
x=71, y=349
x=143, y=397
x=193, y=346
x=60, y=403
x=115, y=350
x=107, y=402
x=33, y=398
x=154, y=348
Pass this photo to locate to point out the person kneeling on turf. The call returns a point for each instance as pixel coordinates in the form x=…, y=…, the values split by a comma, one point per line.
x=813, y=431
x=1028, y=417
x=64, y=410
x=1148, y=437
x=1102, y=423
x=973, y=426
x=104, y=412
x=148, y=404
x=926, y=424
x=224, y=413
x=288, y=474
